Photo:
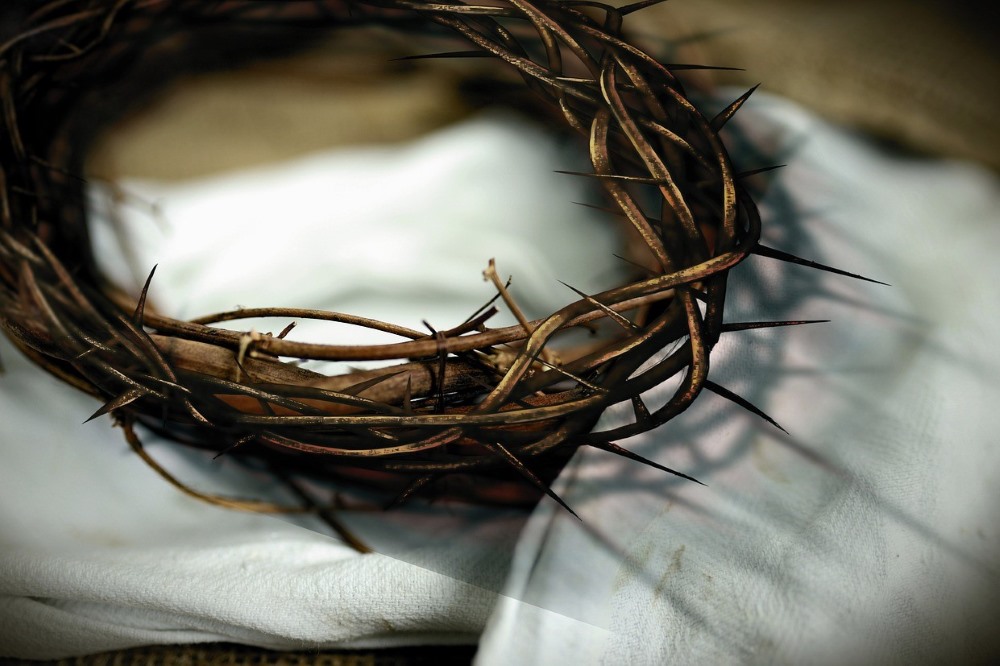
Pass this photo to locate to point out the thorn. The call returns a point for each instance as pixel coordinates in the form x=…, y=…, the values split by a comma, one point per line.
x=644, y=269
x=604, y=209
x=611, y=176
x=749, y=325
x=476, y=322
x=239, y=442
x=640, y=409
x=742, y=402
x=611, y=447
x=410, y=490
x=771, y=253
x=265, y=406
x=496, y=447
x=442, y=369
x=700, y=294
x=622, y=321
x=636, y=6
x=680, y=67
x=442, y=355
x=286, y=330
x=355, y=389
x=445, y=55
x=489, y=304
x=408, y=396
x=569, y=375
x=614, y=211
x=718, y=122
x=140, y=307
x=754, y=172
x=124, y=399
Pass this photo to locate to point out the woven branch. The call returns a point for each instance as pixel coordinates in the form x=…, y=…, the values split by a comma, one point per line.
x=471, y=399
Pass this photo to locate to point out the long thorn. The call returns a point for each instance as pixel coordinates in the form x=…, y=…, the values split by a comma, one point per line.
x=613, y=176
x=410, y=490
x=622, y=321
x=780, y=255
x=753, y=172
x=624, y=10
x=232, y=447
x=126, y=398
x=611, y=447
x=750, y=325
x=496, y=447
x=680, y=67
x=140, y=307
x=718, y=122
x=742, y=402
x=640, y=409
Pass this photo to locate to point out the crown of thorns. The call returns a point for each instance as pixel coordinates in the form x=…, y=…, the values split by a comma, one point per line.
x=472, y=399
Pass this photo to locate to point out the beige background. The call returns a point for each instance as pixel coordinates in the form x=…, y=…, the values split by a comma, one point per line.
x=916, y=73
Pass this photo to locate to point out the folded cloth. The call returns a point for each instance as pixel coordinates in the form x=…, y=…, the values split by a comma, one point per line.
x=98, y=553
x=868, y=533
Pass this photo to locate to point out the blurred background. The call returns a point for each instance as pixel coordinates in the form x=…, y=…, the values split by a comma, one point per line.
x=921, y=74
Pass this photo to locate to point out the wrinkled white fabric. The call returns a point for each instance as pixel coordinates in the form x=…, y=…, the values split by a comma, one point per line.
x=97, y=552
x=868, y=534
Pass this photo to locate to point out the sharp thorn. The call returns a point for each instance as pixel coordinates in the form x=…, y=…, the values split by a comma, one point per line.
x=622, y=321
x=611, y=447
x=408, y=396
x=612, y=176
x=238, y=443
x=718, y=122
x=410, y=490
x=700, y=294
x=750, y=325
x=644, y=269
x=754, y=172
x=603, y=209
x=771, y=253
x=496, y=447
x=742, y=402
x=614, y=211
x=570, y=375
x=640, y=409
x=140, y=307
x=477, y=322
x=355, y=389
x=124, y=399
x=680, y=67
x=625, y=10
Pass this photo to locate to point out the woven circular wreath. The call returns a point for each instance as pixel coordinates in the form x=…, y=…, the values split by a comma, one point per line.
x=492, y=402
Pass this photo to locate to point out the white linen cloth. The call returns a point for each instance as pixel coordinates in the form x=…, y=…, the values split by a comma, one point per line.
x=868, y=534
x=97, y=552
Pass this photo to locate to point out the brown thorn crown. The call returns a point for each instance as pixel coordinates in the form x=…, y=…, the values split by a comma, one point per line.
x=470, y=399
